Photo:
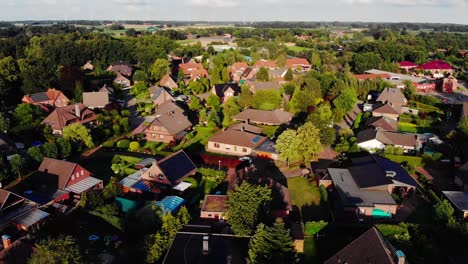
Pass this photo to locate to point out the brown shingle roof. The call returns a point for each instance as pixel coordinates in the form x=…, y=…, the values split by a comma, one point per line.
x=167, y=81
x=246, y=127
x=64, y=116
x=238, y=138
x=8, y=198
x=274, y=117
x=96, y=99
x=370, y=247
x=63, y=169
x=392, y=95
x=382, y=122
x=387, y=109
x=265, y=63
x=387, y=137
x=296, y=61
x=171, y=117
x=465, y=109
x=121, y=67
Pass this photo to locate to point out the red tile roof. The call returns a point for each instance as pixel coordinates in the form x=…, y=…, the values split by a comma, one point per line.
x=435, y=65
x=296, y=61
x=408, y=64
x=371, y=76
x=265, y=63
x=187, y=68
x=63, y=170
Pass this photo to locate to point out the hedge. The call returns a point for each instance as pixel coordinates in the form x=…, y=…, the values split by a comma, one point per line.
x=311, y=228
x=411, y=160
x=108, y=144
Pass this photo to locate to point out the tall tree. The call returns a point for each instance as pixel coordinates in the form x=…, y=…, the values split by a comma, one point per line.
x=17, y=164
x=271, y=245
x=245, y=97
x=286, y=145
x=64, y=147
x=77, y=132
x=289, y=76
x=230, y=108
x=159, y=68
x=309, y=137
x=322, y=119
x=35, y=153
x=443, y=211
x=345, y=102
x=4, y=123
x=56, y=251
x=213, y=101
x=213, y=119
x=50, y=150
x=263, y=75
x=266, y=100
x=246, y=204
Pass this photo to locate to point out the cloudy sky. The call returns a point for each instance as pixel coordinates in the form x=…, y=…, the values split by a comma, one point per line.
x=452, y=11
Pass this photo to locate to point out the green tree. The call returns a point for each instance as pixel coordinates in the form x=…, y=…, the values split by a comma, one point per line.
x=246, y=204
x=183, y=215
x=309, y=137
x=230, y=108
x=140, y=76
x=315, y=61
x=213, y=119
x=245, y=97
x=443, y=211
x=266, y=100
x=362, y=62
x=64, y=147
x=8, y=75
x=463, y=125
x=4, y=123
x=77, y=132
x=271, y=245
x=289, y=76
x=337, y=88
x=35, y=153
x=286, y=145
x=158, y=243
x=78, y=91
x=289, y=88
x=322, y=119
x=112, y=189
x=62, y=249
x=263, y=75
x=410, y=89
x=159, y=68
x=213, y=101
x=345, y=102
x=50, y=150
x=195, y=103
x=17, y=164
x=26, y=117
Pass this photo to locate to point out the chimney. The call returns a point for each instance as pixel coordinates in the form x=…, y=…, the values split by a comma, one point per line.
x=206, y=246
x=6, y=241
x=77, y=110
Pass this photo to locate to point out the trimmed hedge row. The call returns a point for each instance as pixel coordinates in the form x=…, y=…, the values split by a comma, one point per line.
x=411, y=160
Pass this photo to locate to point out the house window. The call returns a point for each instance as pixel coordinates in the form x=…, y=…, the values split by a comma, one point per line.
x=151, y=175
x=73, y=177
x=161, y=136
x=77, y=175
x=82, y=173
x=216, y=145
x=235, y=148
x=161, y=177
x=244, y=149
x=209, y=215
x=153, y=135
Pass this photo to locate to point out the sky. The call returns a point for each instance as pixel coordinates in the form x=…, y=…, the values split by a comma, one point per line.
x=433, y=11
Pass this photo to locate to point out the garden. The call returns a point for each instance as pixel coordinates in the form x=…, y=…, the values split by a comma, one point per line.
x=308, y=198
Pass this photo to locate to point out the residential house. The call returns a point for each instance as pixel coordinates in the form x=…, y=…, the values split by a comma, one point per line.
x=386, y=110
x=263, y=86
x=63, y=116
x=382, y=122
x=449, y=84
x=364, y=188
x=460, y=202
x=168, y=82
x=246, y=127
x=214, y=207
x=264, y=117
x=370, y=247
x=191, y=66
x=170, y=171
x=88, y=66
x=96, y=99
x=265, y=63
x=122, y=80
x=376, y=139
x=226, y=91
x=237, y=69
x=398, y=79
x=390, y=103
x=248, y=74
x=437, y=67
x=278, y=74
x=298, y=64
x=169, y=124
x=407, y=65
x=371, y=76
x=121, y=68
x=234, y=142
x=51, y=97
x=109, y=90
x=159, y=95
x=197, y=74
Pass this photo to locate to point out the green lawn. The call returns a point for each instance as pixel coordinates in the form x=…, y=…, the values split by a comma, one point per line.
x=298, y=49
x=412, y=160
x=306, y=197
x=197, y=143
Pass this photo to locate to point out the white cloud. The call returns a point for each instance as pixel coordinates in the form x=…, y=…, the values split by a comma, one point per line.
x=214, y=3
x=410, y=2
x=133, y=2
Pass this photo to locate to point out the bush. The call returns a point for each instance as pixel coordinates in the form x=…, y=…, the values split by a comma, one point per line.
x=323, y=194
x=123, y=144
x=134, y=146
x=192, y=181
x=108, y=144
x=395, y=232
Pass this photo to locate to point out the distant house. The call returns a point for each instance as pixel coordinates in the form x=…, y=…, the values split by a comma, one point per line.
x=373, y=139
x=248, y=74
x=264, y=117
x=460, y=202
x=277, y=74
x=122, y=68
x=214, y=207
x=245, y=127
x=95, y=99
x=122, y=80
x=262, y=86
x=237, y=69
x=88, y=66
x=398, y=79
x=226, y=91
x=386, y=110
x=371, y=76
x=371, y=245
x=109, y=90
x=168, y=82
x=364, y=188
x=52, y=97
x=64, y=116
x=159, y=95
x=300, y=64
x=436, y=67
x=407, y=65
x=171, y=170
x=234, y=142
x=188, y=68
x=449, y=84
x=393, y=96
x=265, y=63
x=169, y=124
x=382, y=122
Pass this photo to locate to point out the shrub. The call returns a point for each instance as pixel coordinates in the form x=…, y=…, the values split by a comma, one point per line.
x=395, y=232
x=108, y=144
x=192, y=181
x=312, y=228
x=134, y=146
x=123, y=144
x=323, y=194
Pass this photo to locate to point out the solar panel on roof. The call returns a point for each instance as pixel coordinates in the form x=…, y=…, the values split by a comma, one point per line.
x=256, y=139
x=176, y=166
x=39, y=97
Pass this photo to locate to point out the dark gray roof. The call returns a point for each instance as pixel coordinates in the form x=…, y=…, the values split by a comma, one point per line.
x=221, y=88
x=369, y=175
x=267, y=146
x=401, y=176
x=39, y=97
x=459, y=199
x=177, y=166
